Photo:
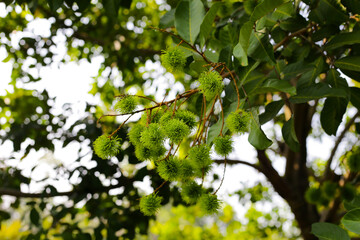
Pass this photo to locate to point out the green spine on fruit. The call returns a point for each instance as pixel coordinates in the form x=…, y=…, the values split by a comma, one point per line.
x=209, y=203
x=152, y=136
x=135, y=134
x=211, y=84
x=187, y=117
x=150, y=204
x=176, y=130
x=223, y=145
x=173, y=59
x=191, y=192
x=238, y=122
x=200, y=156
x=169, y=169
x=106, y=147
x=126, y=104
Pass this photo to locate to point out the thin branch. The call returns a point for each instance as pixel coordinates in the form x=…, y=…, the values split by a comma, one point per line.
x=222, y=179
x=337, y=143
x=233, y=162
x=19, y=194
x=287, y=38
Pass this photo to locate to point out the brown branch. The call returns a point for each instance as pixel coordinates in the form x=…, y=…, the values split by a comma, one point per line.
x=233, y=162
x=19, y=194
x=336, y=145
x=287, y=38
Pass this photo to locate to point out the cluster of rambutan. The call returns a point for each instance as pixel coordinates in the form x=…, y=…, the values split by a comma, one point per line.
x=158, y=132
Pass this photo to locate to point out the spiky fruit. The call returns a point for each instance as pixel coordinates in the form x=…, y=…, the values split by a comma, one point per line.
x=150, y=204
x=152, y=135
x=187, y=170
x=126, y=104
x=144, y=153
x=106, y=147
x=173, y=59
x=169, y=169
x=223, y=145
x=176, y=130
x=211, y=84
x=200, y=156
x=135, y=134
x=187, y=117
x=191, y=192
x=209, y=203
x=238, y=122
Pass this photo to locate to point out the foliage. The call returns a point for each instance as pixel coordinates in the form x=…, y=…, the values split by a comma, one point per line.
x=240, y=64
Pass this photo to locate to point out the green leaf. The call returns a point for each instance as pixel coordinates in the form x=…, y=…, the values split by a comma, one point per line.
x=241, y=48
x=265, y=7
x=276, y=85
x=214, y=130
x=289, y=135
x=351, y=6
x=206, y=25
x=355, y=97
x=271, y=110
x=283, y=12
x=168, y=19
x=243, y=73
x=326, y=8
x=189, y=15
x=351, y=220
x=260, y=48
x=332, y=114
x=349, y=63
x=317, y=91
x=355, y=203
x=257, y=137
x=334, y=79
x=112, y=8
x=34, y=216
x=329, y=231
x=55, y=4
x=343, y=39
x=228, y=36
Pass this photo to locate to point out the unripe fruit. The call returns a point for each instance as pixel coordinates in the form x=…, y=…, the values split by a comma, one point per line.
x=329, y=189
x=223, y=145
x=238, y=122
x=313, y=195
x=169, y=169
x=187, y=170
x=135, y=134
x=211, y=84
x=126, y=104
x=150, y=204
x=106, y=147
x=209, y=204
x=152, y=135
x=200, y=156
x=191, y=192
x=173, y=59
x=176, y=130
x=187, y=117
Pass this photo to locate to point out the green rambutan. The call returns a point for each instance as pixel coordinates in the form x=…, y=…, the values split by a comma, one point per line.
x=187, y=117
x=176, y=130
x=169, y=169
x=238, y=122
x=209, y=203
x=150, y=204
x=152, y=135
x=211, y=84
x=126, y=104
x=191, y=192
x=223, y=145
x=313, y=195
x=106, y=147
x=173, y=59
x=135, y=134
x=200, y=156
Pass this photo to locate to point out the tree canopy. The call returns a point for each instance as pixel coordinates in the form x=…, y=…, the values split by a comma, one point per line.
x=280, y=72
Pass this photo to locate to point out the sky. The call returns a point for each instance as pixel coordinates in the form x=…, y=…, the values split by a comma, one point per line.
x=56, y=80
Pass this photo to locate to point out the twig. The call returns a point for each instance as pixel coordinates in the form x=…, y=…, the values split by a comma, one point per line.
x=287, y=38
x=222, y=179
x=337, y=143
x=233, y=162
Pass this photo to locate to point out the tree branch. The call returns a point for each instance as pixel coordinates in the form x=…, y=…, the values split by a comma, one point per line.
x=19, y=194
x=287, y=38
x=336, y=145
x=233, y=162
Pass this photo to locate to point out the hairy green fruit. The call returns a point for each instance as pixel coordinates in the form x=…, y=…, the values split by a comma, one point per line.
x=353, y=162
x=152, y=135
x=211, y=84
x=106, y=147
x=191, y=192
x=150, y=204
x=126, y=104
x=187, y=117
x=223, y=145
x=209, y=203
x=238, y=122
x=144, y=153
x=173, y=59
x=200, y=156
x=169, y=169
x=135, y=134
x=313, y=195
x=176, y=130
x=187, y=170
